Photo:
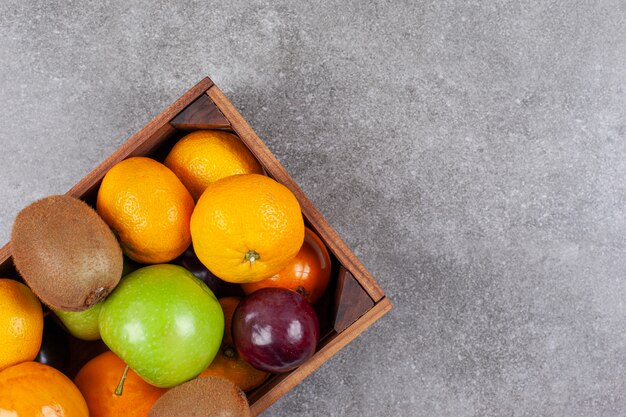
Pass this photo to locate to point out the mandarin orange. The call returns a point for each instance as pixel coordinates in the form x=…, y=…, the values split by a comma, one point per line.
x=21, y=323
x=98, y=381
x=246, y=227
x=34, y=389
x=205, y=156
x=148, y=208
x=307, y=274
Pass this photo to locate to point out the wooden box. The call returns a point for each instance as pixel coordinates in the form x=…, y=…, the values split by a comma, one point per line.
x=353, y=300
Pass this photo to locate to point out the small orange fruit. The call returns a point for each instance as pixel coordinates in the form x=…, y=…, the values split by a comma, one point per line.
x=246, y=227
x=205, y=156
x=21, y=323
x=307, y=274
x=148, y=207
x=34, y=389
x=98, y=381
x=228, y=364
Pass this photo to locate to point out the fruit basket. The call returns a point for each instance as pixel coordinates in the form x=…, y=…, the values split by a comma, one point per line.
x=353, y=300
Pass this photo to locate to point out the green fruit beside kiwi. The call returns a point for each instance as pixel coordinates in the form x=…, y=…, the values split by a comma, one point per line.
x=203, y=397
x=84, y=324
x=66, y=253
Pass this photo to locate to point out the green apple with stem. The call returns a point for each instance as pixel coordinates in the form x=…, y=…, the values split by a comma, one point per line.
x=164, y=323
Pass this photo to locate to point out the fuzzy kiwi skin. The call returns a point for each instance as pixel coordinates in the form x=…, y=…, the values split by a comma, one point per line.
x=203, y=397
x=66, y=253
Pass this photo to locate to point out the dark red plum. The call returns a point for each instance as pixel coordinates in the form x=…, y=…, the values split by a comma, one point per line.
x=275, y=330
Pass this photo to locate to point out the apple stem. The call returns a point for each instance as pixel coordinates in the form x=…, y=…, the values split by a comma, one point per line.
x=120, y=386
x=251, y=256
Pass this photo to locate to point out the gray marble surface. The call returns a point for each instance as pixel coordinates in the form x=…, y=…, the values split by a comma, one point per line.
x=473, y=155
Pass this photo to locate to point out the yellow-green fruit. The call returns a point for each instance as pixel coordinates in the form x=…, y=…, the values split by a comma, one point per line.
x=82, y=324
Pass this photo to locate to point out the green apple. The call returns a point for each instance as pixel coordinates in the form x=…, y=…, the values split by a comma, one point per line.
x=164, y=323
x=82, y=324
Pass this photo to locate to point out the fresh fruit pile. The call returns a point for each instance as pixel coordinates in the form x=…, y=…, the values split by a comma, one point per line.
x=143, y=273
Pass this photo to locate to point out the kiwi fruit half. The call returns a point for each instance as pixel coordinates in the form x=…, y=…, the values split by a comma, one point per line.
x=203, y=397
x=66, y=253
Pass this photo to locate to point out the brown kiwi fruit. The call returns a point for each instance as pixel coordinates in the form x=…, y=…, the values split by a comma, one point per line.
x=203, y=397
x=66, y=253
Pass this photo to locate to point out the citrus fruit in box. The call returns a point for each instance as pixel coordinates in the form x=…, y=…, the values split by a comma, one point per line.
x=21, y=323
x=148, y=208
x=205, y=156
x=228, y=363
x=307, y=274
x=99, y=379
x=246, y=227
x=33, y=389
x=164, y=323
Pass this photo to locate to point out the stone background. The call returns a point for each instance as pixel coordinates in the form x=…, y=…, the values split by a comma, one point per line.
x=473, y=155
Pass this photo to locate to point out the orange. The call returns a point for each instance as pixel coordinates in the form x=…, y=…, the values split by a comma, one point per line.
x=205, y=156
x=21, y=323
x=98, y=380
x=149, y=209
x=228, y=364
x=35, y=389
x=307, y=274
x=246, y=227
